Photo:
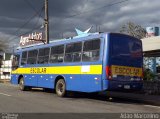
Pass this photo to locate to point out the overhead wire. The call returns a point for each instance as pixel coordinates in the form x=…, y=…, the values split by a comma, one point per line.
x=91, y=10
x=35, y=27
x=87, y=11
x=21, y=27
x=70, y=16
x=29, y=4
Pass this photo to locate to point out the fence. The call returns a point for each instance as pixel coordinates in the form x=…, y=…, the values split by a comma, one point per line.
x=151, y=87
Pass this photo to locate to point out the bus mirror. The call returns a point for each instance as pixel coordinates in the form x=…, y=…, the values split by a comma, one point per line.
x=15, y=62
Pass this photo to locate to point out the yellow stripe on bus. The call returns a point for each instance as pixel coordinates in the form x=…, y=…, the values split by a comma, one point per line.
x=93, y=69
x=126, y=71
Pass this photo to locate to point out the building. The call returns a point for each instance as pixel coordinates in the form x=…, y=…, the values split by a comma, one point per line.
x=151, y=50
x=5, y=66
x=152, y=31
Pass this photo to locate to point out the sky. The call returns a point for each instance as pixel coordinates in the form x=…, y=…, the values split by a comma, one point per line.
x=21, y=17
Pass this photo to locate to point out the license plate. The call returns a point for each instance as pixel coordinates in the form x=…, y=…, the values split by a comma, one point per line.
x=126, y=86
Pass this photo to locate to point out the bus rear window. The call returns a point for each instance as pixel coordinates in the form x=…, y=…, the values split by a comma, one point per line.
x=126, y=48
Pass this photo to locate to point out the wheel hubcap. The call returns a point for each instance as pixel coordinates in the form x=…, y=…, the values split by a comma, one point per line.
x=21, y=84
x=60, y=88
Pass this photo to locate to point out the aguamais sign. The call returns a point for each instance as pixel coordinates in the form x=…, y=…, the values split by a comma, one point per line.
x=31, y=39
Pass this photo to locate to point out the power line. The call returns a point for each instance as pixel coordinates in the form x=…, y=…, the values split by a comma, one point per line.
x=84, y=12
x=87, y=11
x=35, y=28
x=26, y=1
x=30, y=19
x=20, y=28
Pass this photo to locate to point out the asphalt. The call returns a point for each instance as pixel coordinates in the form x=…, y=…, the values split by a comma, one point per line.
x=143, y=98
x=38, y=101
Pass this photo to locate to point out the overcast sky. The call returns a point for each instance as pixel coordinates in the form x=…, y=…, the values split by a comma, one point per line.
x=65, y=15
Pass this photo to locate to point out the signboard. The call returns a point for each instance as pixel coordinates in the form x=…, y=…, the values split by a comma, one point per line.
x=126, y=71
x=152, y=31
x=31, y=39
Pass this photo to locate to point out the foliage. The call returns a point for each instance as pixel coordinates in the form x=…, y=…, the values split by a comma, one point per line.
x=133, y=29
x=148, y=75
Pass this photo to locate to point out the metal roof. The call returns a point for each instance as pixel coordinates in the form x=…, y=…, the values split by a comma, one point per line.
x=151, y=46
x=151, y=43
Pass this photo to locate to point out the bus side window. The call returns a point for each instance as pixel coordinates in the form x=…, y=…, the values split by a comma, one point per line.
x=32, y=57
x=91, y=50
x=73, y=52
x=43, y=56
x=15, y=62
x=24, y=58
x=57, y=54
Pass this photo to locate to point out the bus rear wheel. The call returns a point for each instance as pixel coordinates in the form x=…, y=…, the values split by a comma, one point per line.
x=61, y=88
x=21, y=84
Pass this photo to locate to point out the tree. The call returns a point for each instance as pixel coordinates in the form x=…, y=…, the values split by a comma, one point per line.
x=148, y=75
x=133, y=29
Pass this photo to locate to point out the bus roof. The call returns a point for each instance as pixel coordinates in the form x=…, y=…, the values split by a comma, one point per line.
x=61, y=41
x=68, y=40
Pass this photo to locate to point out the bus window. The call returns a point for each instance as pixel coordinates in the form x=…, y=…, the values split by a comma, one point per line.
x=57, y=54
x=135, y=49
x=32, y=57
x=91, y=50
x=24, y=58
x=73, y=52
x=15, y=62
x=124, y=48
x=43, y=56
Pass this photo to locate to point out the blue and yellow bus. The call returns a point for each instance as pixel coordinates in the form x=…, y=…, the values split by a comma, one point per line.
x=94, y=63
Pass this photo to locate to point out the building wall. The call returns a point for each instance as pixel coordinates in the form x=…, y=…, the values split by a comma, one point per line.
x=6, y=67
x=151, y=49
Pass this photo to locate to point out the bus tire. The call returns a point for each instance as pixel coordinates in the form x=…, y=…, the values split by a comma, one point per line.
x=61, y=88
x=21, y=84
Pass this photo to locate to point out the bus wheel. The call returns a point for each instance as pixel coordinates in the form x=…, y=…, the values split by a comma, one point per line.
x=61, y=88
x=21, y=84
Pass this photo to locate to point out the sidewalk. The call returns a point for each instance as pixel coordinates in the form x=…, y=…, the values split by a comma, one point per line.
x=150, y=99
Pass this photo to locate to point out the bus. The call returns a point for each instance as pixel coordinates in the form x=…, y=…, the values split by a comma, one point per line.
x=94, y=63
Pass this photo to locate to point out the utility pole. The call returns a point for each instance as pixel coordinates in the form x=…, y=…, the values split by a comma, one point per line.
x=99, y=29
x=96, y=27
x=46, y=22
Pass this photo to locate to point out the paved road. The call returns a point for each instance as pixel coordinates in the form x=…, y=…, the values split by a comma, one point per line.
x=14, y=100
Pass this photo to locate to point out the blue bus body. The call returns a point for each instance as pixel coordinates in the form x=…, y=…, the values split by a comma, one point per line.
x=118, y=54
